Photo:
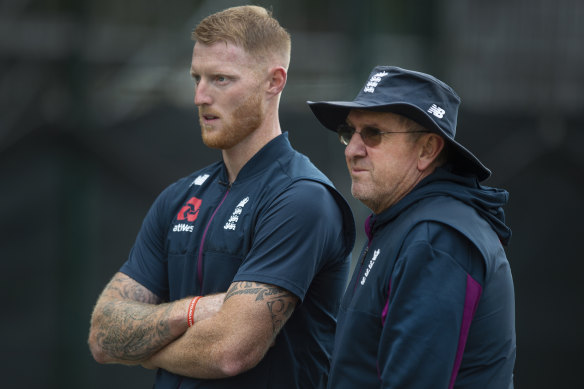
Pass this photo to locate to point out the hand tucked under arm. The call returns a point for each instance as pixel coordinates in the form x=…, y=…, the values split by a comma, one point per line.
x=235, y=339
x=129, y=323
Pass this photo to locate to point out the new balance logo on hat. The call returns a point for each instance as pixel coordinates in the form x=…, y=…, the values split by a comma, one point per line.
x=437, y=111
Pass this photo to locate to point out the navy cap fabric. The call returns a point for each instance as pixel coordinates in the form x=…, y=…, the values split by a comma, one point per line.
x=418, y=96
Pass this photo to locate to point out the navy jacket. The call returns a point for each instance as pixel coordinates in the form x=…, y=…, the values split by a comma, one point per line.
x=431, y=301
x=281, y=222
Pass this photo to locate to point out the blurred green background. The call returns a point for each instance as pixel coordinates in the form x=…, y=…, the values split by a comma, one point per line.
x=97, y=117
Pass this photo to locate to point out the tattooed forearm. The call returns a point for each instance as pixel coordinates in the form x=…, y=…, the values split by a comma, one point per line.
x=279, y=302
x=133, y=292
x=129, y=324
x=135, y=331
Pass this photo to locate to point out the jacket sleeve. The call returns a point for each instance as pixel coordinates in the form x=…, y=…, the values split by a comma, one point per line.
x=427, y=310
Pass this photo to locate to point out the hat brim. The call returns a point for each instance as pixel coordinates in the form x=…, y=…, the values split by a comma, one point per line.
x=331, y=114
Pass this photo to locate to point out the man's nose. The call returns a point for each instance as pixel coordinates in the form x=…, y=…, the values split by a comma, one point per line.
x=202, y=95
x=356, y=147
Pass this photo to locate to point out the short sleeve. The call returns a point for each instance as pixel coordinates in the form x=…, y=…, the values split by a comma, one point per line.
x=146, y=262
x=298, y=234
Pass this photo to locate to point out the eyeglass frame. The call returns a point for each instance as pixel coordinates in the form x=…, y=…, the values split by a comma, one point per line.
x=368, y=138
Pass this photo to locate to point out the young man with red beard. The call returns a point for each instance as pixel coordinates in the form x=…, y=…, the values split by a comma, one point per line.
x=263, y=225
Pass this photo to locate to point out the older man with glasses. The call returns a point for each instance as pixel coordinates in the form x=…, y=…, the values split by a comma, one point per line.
x=431, y=300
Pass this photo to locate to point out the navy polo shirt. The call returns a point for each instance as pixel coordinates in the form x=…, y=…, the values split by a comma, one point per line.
x=281, y=222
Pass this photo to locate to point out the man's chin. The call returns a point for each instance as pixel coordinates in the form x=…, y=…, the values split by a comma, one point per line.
x=213, y=143
x=360, y=193
x=216, y=141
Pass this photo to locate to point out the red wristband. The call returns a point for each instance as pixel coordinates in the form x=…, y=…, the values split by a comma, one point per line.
x=191, y=312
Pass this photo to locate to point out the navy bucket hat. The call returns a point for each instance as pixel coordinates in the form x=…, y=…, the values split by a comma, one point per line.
x=418, y=96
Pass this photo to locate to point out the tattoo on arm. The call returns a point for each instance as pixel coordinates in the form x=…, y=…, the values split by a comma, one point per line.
x=128, y=289
x=136, y=334
x=280, y=302
x=132, y=327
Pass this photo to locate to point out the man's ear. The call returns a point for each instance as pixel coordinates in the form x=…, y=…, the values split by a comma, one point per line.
x=277, y=80
x=430, y=147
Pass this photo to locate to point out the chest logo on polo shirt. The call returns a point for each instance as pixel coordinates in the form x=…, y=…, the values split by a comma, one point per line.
x=190, y=211
x=234, y=218
x=200, y=180
x=370, y=266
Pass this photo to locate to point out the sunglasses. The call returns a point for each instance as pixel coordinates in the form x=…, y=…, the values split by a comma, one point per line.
x=371, y=136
